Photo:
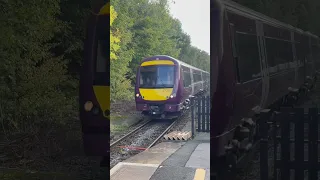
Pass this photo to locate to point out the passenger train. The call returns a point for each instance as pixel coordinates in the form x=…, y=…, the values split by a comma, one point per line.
x=256, y=64
x=94, y=92
x=164, y=86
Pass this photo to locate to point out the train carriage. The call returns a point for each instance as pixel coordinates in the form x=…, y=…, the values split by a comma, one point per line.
x=164, y=86
x=257, y=63
x=94, y=92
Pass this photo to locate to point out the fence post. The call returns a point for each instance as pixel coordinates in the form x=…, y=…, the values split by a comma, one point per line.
x=285, y=142
x=299, y=142
x=313, y=143
x=263, y=129
x=192, y=116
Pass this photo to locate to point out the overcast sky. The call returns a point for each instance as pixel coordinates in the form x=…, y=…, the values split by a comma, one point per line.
x=194, y=16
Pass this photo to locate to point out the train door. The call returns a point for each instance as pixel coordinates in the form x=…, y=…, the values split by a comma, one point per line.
x=192, y=81
x=187, y=83
x=264, y=64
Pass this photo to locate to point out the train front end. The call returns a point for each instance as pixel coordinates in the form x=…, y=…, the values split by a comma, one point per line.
x=94, y=94
x=157, y=88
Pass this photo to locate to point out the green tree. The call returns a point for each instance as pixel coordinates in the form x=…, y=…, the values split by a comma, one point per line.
x=120, y=86
x=31, y=77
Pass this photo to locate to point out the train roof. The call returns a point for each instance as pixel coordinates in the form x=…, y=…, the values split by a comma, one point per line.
x=242, y=10
x=166, y=57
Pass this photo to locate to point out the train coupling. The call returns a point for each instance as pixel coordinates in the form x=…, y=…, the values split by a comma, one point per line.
x=163, y=116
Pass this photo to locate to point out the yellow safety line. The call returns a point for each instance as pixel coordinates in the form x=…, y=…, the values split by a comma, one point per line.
x=200, y=174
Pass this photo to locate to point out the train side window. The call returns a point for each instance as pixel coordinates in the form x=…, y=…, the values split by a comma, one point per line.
x=186, y=79
x=234, y=51
x=279, y=53
x=248, y=56
x=195, y=78
x=186, y=76
x=316, y=56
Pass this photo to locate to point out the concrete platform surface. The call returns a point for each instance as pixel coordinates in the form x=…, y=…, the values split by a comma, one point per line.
x=127, y=171
x=173, y=173
x=156, y=154
x=181, y=156
x=190, y=162
x=202, y=136
x=200, y=158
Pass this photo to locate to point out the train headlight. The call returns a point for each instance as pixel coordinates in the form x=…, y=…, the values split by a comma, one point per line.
x=173, y=95
x=88, y=106
x=137, y=95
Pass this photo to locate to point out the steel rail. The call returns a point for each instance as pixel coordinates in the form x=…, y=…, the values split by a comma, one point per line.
x=161, y=135
x=133, y=131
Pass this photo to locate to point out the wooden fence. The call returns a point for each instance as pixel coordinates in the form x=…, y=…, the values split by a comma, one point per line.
x=293, y=135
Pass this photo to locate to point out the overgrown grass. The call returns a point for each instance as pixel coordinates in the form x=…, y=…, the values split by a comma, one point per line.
x=118, y=117
x=118, y=128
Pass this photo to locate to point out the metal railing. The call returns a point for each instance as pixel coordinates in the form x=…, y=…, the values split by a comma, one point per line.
x=200, y=114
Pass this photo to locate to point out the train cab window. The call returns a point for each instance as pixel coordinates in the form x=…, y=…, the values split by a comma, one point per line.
x=157, y=76
x=102, y=57
x=249, y=61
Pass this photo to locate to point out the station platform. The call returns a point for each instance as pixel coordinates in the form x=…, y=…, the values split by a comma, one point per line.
x=174, y=160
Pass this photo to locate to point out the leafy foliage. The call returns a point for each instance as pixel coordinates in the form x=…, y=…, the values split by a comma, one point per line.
x=114, y=35
x=147, y=29
x=31, y=76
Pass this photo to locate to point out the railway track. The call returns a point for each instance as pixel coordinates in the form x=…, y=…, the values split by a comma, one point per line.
x=140, y=139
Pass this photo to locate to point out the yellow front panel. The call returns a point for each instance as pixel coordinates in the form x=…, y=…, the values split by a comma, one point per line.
x=157, y=62
x=103, y=97
x=156, y=94
x=105, y=10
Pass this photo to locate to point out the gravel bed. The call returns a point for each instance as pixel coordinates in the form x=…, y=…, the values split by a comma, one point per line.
x=179, y=125
x=142, y=139
x=118, y=134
